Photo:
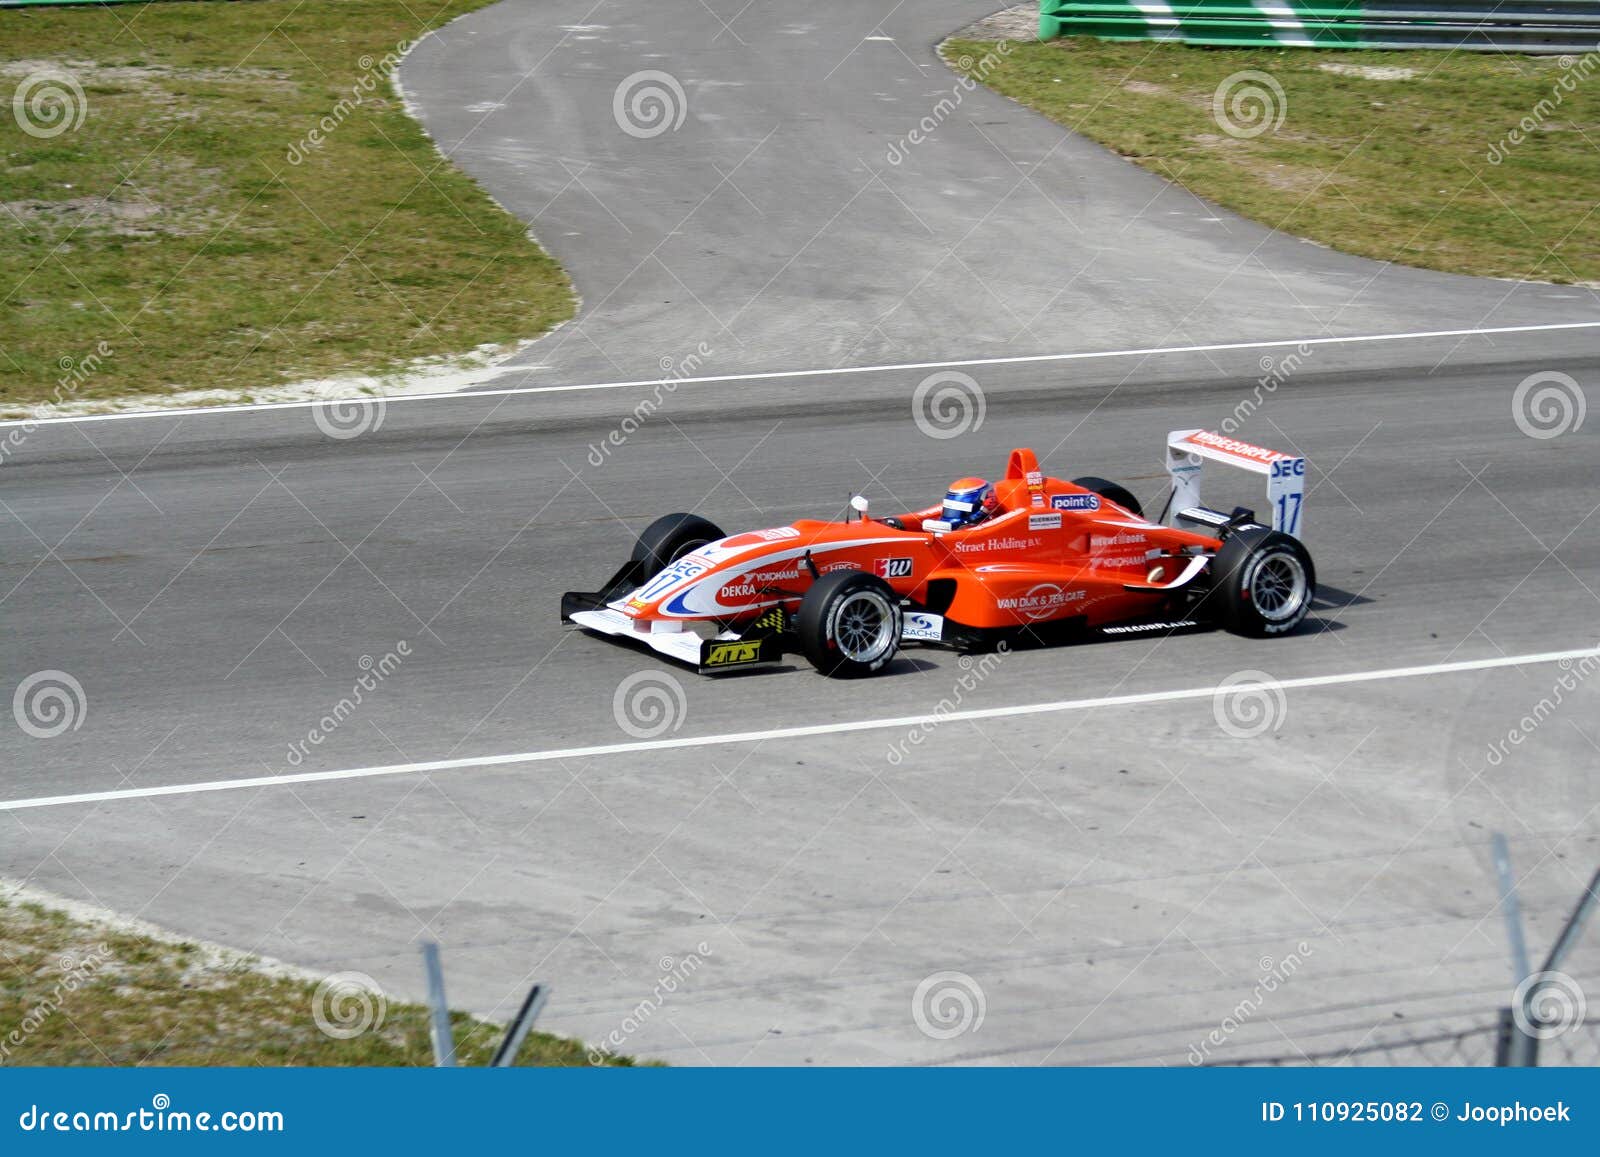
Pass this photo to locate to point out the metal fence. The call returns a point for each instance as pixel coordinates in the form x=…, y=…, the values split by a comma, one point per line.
x=1527, y=26
x=1546, y=1023
x=1477, y=1047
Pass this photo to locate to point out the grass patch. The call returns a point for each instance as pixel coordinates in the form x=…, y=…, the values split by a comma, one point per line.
x=1383, y=154
x=73, y=993
x=173, y=225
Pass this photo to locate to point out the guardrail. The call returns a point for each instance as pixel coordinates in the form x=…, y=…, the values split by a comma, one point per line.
x=1525, y=26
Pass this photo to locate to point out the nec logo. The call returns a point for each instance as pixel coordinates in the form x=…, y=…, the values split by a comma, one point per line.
x=893, y=568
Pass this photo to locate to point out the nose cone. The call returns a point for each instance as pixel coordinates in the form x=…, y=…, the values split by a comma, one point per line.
x=721, y=577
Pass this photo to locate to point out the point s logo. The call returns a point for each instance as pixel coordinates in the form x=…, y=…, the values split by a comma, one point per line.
x=1075, y=501
x=892, y=568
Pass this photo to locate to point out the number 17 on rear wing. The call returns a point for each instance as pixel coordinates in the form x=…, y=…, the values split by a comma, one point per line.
x=1187, y=453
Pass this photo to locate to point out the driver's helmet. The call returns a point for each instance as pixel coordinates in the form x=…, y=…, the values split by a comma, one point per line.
x=969, y=501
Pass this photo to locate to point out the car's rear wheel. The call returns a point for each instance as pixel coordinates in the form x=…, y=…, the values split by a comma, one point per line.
x=669, y=538
x=1263, y=583
x=1108, y=489
x=849, y=624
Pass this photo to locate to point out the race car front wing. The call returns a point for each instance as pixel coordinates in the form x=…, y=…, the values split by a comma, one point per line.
x=758, y=645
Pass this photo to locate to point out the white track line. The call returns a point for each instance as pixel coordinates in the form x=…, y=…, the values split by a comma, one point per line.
x=904, y=721
x=774, y=375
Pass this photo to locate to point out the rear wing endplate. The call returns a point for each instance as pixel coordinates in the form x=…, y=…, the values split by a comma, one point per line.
x=1188, y=450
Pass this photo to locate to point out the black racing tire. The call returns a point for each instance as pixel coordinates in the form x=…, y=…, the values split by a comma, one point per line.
x=849, y=624
x=1108, y=489
x=1263, y=583
x=669, y=538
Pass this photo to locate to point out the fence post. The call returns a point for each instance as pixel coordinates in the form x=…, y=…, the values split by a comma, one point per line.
x=1516, y=1047
x=444, y=1040
x=517, y=1032
x=1574, y=926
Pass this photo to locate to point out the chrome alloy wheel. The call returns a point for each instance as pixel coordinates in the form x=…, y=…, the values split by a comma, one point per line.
x=863, y=626
x=1278, y=587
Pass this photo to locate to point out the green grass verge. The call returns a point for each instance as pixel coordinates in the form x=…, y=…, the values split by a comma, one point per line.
x=73, y=993
x=173, y=225
x=1396, y=169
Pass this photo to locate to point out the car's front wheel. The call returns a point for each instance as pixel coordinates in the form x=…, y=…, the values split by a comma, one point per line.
x=849, y=624
x=669, y=538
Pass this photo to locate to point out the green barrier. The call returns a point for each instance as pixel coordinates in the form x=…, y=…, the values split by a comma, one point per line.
x=64, y=3
x=1528, y=26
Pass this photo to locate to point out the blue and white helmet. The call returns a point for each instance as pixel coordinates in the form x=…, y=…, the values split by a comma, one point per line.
x=969, y=501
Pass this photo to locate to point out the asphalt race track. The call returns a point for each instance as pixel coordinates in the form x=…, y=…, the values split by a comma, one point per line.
x=772, y=226
x=1110, y=880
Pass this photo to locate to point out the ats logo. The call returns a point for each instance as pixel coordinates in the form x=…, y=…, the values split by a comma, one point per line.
x=733, y=654
x=892, y=568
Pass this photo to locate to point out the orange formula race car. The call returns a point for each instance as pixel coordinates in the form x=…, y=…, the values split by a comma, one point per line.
x=1026, y=558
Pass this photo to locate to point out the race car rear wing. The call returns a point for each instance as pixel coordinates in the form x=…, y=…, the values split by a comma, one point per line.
x=1187, y=452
